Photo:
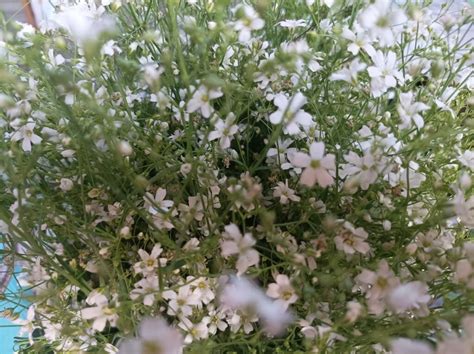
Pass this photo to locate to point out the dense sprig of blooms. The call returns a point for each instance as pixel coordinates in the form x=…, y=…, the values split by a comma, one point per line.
x=321, y=151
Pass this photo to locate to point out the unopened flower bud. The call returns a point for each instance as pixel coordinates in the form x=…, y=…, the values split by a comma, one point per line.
x=387, y=225
x=411, y=248
x=124, y=148
x=66, y=184
x=186, y=168
x=124, y=232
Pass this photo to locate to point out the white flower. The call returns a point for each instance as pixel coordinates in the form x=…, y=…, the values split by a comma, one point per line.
x=328, y=3
x=110, y=48
x=408, y=110
x=155, y=336
x=359, y=40
x=195, y=331
x=215, y=320
x=292, y=23
x=201, y=100
x=101, y=312
x=290, y=114
x=243, y=318
x=281, y=153
x=351, y=239
x=317, y=166
x=181, y=303
x=202, y=290
x=384, y=72
x=235, y=243
x=383, y=21
x=412, y=295
x=446, y=98
x=157, y=203
x=83, y=23
x=417, y=212
x=354, y=310
x=363, y=171
x=27, y=135
x=410, y=346
x=224, y=131
x=464, y=208
x=239, y=294
x=147, y=287
x=285, y=193
x=282, y=290
x=349, y=73
x=65, y=184
x=467, y=159
x=149, y=262
x=377, y=285
x=249, y=21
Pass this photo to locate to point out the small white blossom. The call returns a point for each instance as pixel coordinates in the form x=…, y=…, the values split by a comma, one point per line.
x=282, y=290
x=384, y=73
x=236, y=243
x=290, y=114
x=224, y=131
x=149, y=261
x=201, y=100
x=182, y=302
x=27, y=135
x=250, y=21
x=292, y=23
x=285, y=193
x=317, y=166
x=409, y=110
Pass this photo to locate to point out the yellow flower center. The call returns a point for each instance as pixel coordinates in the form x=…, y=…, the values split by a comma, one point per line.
x=315, y=164
x=151, y=348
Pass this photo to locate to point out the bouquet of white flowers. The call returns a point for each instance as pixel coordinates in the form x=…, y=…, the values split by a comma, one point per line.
x=205, y=176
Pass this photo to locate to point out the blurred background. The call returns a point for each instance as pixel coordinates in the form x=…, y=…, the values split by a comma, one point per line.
x=13, y=9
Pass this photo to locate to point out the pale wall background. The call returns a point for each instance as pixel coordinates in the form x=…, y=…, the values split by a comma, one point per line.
x=12, y=8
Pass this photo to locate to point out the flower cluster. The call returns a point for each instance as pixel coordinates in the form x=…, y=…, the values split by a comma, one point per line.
x=291, y=176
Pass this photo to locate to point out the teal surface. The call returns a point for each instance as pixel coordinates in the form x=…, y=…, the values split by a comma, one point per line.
x=8, y=330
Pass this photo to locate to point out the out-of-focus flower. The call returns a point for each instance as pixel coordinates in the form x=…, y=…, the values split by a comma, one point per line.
x=410, y=346
x=412, y=295
x=383, y=21
x=83, y=23
x=241, y=293
x=290, y=114
x=292, y=23
x=154, y=336
x=467, y=159
x=349, y=73
x=236, y=243
x=249, y=21
x=351, y=239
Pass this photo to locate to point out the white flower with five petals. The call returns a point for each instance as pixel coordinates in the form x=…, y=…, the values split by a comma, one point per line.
x=290, y=114
x=235, y=243
x=318, y=167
